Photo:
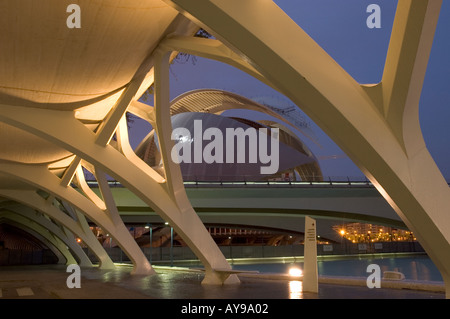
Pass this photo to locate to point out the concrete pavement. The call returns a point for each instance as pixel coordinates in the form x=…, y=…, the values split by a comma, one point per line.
x=49, y=282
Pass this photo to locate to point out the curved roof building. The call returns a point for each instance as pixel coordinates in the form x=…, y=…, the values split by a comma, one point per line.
x=295, y=160
x=216, y=101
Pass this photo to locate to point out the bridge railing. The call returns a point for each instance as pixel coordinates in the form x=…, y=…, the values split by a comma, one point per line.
x=247, y=181
x=288, y=181
x=164, y=255
x=307, y=184
x=251, y=181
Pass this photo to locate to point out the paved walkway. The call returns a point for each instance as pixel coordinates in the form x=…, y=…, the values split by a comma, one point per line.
x=49, y=282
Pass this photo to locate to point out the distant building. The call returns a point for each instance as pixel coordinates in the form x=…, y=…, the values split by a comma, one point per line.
x=296, y=161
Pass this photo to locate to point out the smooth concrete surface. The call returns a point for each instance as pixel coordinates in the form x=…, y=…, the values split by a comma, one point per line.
x=49, y=282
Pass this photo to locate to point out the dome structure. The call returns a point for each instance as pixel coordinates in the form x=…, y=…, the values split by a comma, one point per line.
x=296, y=161
x=291, y=159
x=216, y=101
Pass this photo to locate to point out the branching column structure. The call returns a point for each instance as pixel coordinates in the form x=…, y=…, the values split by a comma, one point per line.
x=102, y=156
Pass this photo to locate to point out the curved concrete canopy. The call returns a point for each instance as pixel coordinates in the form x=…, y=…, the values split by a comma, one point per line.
x=46, y=64
x=19, y=146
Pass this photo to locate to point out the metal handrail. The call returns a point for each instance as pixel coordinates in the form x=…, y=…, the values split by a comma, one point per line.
x=249, y=183
x=241, y=183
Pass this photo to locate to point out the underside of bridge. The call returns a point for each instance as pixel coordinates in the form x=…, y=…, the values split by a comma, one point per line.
x=19, y=247
x=65, y=93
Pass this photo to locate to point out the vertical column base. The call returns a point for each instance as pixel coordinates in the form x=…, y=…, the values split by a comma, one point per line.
x=310, y=273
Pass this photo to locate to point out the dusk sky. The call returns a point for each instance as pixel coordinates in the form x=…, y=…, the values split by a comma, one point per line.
x=339, y=26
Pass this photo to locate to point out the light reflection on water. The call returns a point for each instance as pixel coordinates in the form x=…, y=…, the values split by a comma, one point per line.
x=295, y=289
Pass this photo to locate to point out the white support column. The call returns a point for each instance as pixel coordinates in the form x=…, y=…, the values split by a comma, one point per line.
x=87, y=191
x=93, y=244
x=121, y=232
x=144, y=111
x=125, y=147
x=138, y=84
x=108, y=126
x=310, y=272
x=185, y=220
x=70, y=171
x=76, y=248
x=174, y=180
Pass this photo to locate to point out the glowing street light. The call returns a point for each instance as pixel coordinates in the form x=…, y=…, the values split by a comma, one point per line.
x=295, y=272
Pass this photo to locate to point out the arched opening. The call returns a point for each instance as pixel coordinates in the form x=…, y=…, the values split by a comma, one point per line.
x=18, y=247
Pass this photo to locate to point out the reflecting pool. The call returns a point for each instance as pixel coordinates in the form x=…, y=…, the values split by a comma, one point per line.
x=417, y=267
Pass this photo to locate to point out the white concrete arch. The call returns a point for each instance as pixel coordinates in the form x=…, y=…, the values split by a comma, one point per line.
x=79, y=227
x=376, y=125
x=186, y=222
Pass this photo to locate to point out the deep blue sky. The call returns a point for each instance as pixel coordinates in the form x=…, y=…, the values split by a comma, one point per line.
x=339, y=26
